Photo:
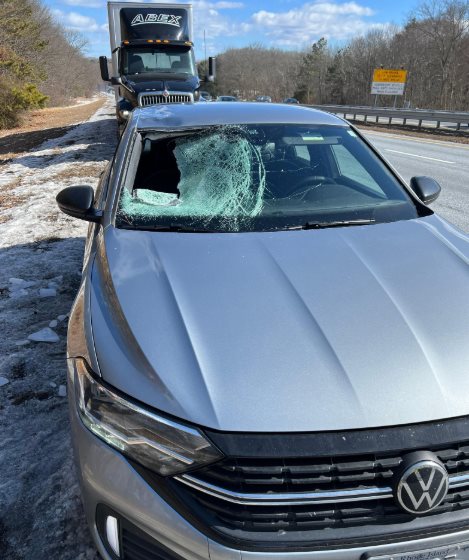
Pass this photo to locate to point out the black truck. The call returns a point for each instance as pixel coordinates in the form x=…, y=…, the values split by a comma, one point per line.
x=153, y=58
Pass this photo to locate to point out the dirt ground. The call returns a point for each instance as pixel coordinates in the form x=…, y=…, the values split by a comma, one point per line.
x=41, y=253
x=44, y=124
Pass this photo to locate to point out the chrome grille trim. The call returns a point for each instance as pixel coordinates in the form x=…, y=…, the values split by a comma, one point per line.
x=301, y=498
x=147, y=99
x=298, y=498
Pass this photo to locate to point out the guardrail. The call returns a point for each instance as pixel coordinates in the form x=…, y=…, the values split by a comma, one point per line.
x=404, y=115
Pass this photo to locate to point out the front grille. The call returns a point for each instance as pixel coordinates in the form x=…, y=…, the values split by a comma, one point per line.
x=157, y=98
x=297, y=518
x=306, y=475
x=324, y=474
x=233, y=495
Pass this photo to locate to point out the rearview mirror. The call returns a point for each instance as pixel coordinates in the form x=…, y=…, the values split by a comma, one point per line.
x=78, y=203
x=426, y=188
x=104, y=68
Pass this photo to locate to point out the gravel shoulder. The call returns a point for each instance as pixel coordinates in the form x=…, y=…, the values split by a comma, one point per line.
x=41, y=253
x=44, y=124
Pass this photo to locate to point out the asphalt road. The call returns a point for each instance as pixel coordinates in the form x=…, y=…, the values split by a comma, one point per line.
x=447, y=162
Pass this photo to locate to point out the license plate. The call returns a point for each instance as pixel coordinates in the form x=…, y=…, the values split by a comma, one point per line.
x=450, y=552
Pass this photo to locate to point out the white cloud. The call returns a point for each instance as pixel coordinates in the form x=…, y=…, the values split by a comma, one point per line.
x=228, y=5
x=208, y=18
x=77, y=22
x=313, y=20
x=290, y=28
x=85, y=3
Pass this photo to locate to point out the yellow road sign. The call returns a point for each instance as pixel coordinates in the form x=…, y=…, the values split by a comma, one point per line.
x=390, y=75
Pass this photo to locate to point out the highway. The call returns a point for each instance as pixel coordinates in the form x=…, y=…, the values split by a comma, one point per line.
x=447, y=162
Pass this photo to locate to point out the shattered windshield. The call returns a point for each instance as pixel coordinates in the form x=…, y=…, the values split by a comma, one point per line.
x=258, y=178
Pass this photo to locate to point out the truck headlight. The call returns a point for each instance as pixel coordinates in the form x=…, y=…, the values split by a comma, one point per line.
x=124, y=114
x=160, y=444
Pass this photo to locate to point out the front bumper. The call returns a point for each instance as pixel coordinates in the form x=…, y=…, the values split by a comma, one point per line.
x=107, y=478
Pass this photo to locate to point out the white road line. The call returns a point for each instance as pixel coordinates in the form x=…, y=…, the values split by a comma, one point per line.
x=421, y=157
x=390, y=135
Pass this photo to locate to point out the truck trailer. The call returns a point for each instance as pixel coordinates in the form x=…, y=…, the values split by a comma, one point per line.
x=153, y=59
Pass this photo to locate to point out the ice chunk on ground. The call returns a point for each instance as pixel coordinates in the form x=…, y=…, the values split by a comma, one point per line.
x=55, y=282
x=19, y=283
x=62, y=391
x=53, y=323
x=52, y=384
x=18, y=293
x=22, y=342
x=47, y=292
x=44, y=335
x=4, y=381
x=61, y=318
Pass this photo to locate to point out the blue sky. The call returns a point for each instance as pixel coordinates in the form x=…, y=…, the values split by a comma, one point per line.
x=282, y=23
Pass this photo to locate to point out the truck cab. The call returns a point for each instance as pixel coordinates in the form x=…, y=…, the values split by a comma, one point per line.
x=153, y=59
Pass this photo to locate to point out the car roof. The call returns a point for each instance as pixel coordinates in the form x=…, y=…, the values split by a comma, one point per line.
x=173, y=116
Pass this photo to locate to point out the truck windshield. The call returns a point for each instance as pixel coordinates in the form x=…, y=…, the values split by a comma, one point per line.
x=260, y=178
x=146, y=60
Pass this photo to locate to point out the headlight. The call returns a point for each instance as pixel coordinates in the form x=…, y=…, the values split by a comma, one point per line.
x=155, y=442
x=124, y=114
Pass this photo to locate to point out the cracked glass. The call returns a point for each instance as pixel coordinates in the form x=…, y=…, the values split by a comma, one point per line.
x=258, y=178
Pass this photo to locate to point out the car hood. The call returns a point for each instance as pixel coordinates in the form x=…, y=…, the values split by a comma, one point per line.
x=332, y=329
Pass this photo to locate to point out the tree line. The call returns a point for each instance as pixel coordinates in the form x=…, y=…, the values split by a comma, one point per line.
x=41, y=63
x=433, y=46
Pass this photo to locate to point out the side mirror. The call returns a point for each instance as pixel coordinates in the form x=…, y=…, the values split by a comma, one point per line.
x=104, y=68
x=116, y=81
x=78, y=203
x=426, y=188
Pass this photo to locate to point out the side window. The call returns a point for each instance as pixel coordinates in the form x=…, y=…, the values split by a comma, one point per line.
x=302, y=152
x=351, y=168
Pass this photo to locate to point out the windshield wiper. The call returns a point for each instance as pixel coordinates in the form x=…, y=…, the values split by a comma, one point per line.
x=178, y=228
x=338, y=223
x=181, y=229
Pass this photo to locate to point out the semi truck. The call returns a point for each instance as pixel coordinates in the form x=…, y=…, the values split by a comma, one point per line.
x=153, y=59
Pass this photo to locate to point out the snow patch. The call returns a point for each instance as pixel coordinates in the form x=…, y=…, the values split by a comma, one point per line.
x=18, y=293
x=47, y=292
x=44, y=335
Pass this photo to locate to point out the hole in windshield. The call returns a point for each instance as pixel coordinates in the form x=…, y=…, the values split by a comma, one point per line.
x=259, y=178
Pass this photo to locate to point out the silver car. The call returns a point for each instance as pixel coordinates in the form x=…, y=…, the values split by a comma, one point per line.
x=269, y=353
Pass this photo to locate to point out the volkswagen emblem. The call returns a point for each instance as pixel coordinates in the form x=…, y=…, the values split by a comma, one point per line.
x=422, y=486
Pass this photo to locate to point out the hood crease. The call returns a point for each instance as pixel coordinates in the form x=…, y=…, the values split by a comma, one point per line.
x=405, y=319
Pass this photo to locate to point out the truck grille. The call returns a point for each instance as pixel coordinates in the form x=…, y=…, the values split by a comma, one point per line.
x=158, y=98
x=281, y=495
